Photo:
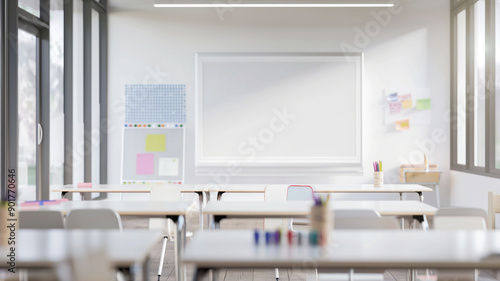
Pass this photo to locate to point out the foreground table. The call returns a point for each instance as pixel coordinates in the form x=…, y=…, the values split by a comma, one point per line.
x=52, y=248
x=175, y=211
x=348, y=249
x=220, y=210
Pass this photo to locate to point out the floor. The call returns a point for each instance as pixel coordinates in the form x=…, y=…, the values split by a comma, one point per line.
x=247, y=275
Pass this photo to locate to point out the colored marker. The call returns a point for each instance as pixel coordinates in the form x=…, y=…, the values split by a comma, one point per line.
x=256, y=237
x=290, y=237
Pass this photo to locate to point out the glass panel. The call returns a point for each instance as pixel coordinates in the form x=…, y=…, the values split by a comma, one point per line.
x=31, y=6
x=479, y=84
x=56, y=95
x=461, y=85
x=497, y=84
x=27, y=115
x=78, y=142
x=95, y=98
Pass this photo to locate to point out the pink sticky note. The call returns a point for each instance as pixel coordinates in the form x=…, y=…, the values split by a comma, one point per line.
x=84, y=184
x=62, y=200
x=30, y=204
x=145, y=164
x=55, y=202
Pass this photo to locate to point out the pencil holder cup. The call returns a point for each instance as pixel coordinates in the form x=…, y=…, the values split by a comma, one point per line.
x=321, y=223
x=378, y=178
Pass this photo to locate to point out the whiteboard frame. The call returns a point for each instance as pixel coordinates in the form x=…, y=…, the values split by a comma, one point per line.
x=260, y=164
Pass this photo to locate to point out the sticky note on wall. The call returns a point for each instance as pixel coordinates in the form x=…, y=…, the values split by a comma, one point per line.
x=395, y=107
x=403, y=125
x=155, y=143
x=407, y=104
x=168, y=167
x=423, y=104
x=145, y=164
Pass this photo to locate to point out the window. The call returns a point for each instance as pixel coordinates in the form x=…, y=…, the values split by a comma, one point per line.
x=39, y=79
x=475, y=76
x=30, y=132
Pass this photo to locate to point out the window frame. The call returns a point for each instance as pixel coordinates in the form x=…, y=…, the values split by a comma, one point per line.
x=490, y=88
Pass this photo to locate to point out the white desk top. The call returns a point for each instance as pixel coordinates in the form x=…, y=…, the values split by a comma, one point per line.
x=47, y=248
x=133, y=208
x=286, y=209
x=348, y=249
x=243, y=188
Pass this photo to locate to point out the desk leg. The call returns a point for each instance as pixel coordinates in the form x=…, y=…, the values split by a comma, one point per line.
x=199, y=273
x=219, y=195
x=200, y=198
x=179, y=244
x=410, y=274
x=421, y=196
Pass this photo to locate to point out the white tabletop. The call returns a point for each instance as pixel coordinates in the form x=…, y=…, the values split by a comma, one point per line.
x=47, y=248
x=256, y=209
x=242, y=188
x=349, y=249
x=133, y=208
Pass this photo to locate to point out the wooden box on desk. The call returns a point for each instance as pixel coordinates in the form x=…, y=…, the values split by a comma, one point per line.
x=417, y=168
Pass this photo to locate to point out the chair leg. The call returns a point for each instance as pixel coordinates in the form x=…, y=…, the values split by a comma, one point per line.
x=162, y=256
x=277, y=273
x=437, y=196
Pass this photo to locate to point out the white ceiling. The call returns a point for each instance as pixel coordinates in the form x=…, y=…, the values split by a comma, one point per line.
x=148, y=4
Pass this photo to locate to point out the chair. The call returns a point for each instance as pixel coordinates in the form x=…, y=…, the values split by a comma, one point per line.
x=299, y=193
x=93, y=219
x=458, y=218
x=359, y=220
x=162, y=193
x=493, y=208
x=424, y=178
x=41, y=220
x=285, y=193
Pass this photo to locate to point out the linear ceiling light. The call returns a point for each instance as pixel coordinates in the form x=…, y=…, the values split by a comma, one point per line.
x=269, y=4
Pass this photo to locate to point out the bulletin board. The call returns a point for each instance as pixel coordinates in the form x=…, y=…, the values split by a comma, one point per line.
x=407, y=107
x=153, y=153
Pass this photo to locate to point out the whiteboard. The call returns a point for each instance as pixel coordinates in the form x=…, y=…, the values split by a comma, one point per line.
x=278, y=110
x=142, y=162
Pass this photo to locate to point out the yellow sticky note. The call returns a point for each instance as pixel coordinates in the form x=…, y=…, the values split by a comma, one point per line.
x=155, y=143
x=403, y=125
x=407, y=104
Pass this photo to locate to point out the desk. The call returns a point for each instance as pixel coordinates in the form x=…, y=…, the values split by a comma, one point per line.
x=175, y=211
x=51, y=248
x=201, y=189
x=348, y=249
x=299, y=209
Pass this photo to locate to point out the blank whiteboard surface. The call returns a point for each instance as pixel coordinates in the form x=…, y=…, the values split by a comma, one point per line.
x=279, y=109
x=135, y=143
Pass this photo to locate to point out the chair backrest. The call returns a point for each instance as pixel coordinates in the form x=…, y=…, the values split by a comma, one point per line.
x=422, y=177
x=93, y=219
x=165, y=193
x=40, y=220
x=356, y=213
x=299, y=193
x=362, y=219
x=365, y=223
x=493, y=208
x=460, y=218
x=459, y=223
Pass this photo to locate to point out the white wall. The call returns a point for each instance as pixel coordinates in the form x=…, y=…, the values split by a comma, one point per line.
x=408, y=49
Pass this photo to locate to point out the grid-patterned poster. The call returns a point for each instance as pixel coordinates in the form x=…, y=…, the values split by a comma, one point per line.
x=155, y=103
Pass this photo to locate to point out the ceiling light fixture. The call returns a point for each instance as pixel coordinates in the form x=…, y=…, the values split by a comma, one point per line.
x=270, y=4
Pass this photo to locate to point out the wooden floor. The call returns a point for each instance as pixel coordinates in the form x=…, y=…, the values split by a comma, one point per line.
x=247, y=275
